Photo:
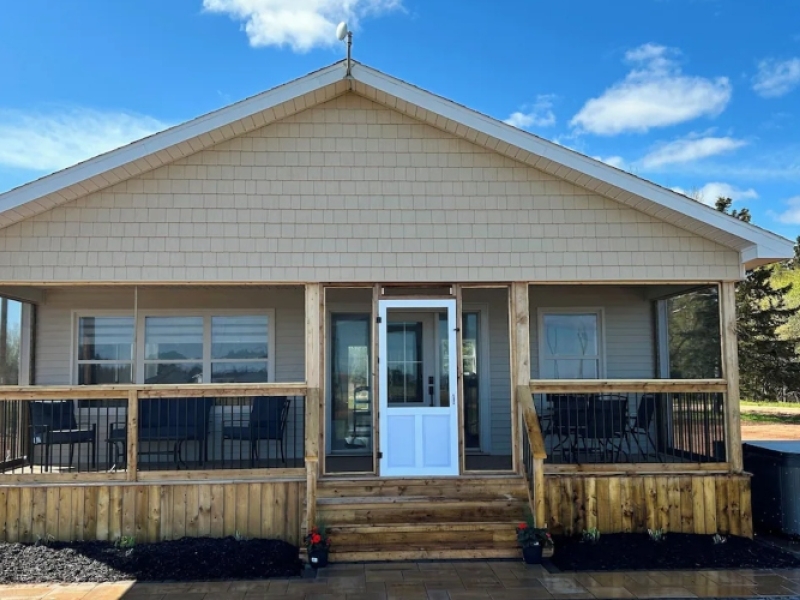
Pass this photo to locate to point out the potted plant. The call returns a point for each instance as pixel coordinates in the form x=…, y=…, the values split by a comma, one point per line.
x=317, y=544
x=533, y=540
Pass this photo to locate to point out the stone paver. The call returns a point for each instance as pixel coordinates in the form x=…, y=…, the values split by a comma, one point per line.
x=501, y=580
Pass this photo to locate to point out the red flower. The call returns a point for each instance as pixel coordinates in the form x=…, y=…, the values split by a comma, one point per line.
x=522, y=526
x=316, y=538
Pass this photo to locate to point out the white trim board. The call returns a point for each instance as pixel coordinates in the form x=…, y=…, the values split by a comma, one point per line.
x=755, y=245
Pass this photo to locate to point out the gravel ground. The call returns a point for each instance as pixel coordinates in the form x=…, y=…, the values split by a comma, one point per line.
x=632, y=552
x=770, y=431
x=189, y=559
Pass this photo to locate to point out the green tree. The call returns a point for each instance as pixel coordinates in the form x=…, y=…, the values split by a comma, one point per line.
x=768, y=364
x=693, y=333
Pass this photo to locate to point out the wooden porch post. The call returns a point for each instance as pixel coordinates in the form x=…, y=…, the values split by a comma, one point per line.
x=312, y=423
x=520, y=359
x=730, y=371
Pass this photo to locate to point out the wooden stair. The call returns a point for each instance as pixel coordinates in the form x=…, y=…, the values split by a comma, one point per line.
x=415, y=519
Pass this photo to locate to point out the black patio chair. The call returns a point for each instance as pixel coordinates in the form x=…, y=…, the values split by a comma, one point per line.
x=268, y=415
x=177, y=420
x=607, y=425
x=642, y=421
x=568, y=422
x=53, y=422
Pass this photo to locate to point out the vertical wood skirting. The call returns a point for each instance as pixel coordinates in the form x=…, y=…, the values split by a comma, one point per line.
x=152, y=513
x=519, y=322
x=730, y=369
x=689, y=503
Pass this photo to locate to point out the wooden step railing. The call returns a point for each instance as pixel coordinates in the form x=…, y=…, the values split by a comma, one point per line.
x=533, y=454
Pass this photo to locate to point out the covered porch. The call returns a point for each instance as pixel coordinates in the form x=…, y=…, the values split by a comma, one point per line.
x=215, y=409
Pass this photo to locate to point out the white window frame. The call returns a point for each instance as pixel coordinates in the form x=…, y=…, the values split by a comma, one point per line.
x=577, y=310
x=74, y=353
x=206, y=314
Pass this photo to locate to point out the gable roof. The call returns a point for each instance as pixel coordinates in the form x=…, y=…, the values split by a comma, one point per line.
x=756, y=246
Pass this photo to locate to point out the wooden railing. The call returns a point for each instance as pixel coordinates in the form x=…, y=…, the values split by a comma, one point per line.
x=533, y=454
x=632, y=425
x=153, y=432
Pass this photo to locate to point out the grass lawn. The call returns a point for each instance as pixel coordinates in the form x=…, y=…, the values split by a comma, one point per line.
x=770, y=404
x=793, y=419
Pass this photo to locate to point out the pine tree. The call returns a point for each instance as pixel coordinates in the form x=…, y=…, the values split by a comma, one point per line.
x=768, y=365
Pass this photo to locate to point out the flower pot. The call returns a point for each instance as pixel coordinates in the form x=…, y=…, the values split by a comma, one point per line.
x=532, y=555
x=318, y=558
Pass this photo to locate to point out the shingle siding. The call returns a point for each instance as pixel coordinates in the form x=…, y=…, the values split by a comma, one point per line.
x=352, y=191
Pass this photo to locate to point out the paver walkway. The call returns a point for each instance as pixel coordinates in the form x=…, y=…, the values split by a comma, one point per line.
x=441, y=581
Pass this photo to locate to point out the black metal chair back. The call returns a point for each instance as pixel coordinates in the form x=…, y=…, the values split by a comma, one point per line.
x=57, y=415
x=268, y=417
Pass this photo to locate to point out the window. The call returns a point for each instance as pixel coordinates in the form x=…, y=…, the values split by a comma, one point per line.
x=239, y=349
x=570, y=344
x=173, y=350
x=105, y=350
x=194, y=348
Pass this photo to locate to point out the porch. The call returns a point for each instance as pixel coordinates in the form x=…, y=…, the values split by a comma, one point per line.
x=160, y=412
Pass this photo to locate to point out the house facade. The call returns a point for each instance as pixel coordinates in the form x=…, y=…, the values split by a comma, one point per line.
x=349, y=300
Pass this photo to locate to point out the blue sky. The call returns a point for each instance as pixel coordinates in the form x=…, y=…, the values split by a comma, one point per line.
x=697, y=95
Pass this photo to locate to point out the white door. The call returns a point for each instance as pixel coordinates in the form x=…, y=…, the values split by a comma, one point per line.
x=418, y=423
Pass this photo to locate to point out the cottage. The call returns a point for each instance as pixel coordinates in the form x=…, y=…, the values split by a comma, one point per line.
x=349, y=300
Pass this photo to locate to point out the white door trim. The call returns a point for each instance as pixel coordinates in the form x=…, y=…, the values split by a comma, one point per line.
x=450, y=413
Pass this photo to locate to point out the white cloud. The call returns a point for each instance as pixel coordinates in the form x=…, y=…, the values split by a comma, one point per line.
x=655, y=93
x=709, y=193
x=791, y=216
x=776, y=78
x=538, y=114
x=54, y=140
x=614, y=161
x=689, y=149
x=299, y=24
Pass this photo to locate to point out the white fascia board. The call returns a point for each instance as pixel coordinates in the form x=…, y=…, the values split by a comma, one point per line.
x=769, y=243
x=171, y=137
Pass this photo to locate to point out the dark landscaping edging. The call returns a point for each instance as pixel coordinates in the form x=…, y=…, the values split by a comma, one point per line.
x=188, y=559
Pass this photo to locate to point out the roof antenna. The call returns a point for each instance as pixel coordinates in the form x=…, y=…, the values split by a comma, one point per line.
x=343, y=32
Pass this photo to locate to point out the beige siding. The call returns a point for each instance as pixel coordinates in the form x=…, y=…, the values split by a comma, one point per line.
x=54, y=336
x=629, y=337
x=352, y=191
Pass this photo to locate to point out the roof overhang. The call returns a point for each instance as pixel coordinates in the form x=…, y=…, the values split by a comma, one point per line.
x=756, y=246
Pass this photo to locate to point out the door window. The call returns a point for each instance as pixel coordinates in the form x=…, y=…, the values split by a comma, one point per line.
x=404, y=362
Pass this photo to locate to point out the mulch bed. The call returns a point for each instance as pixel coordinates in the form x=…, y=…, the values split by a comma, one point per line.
x=636, y=552
x=188, y=559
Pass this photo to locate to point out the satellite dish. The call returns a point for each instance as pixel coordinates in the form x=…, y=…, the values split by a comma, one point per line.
x=342, y=31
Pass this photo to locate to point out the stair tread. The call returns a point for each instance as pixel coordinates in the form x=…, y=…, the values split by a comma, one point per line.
x=424, y=554
x=460, y=526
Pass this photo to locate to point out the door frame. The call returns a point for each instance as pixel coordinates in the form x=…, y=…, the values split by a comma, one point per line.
x=450, y=305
